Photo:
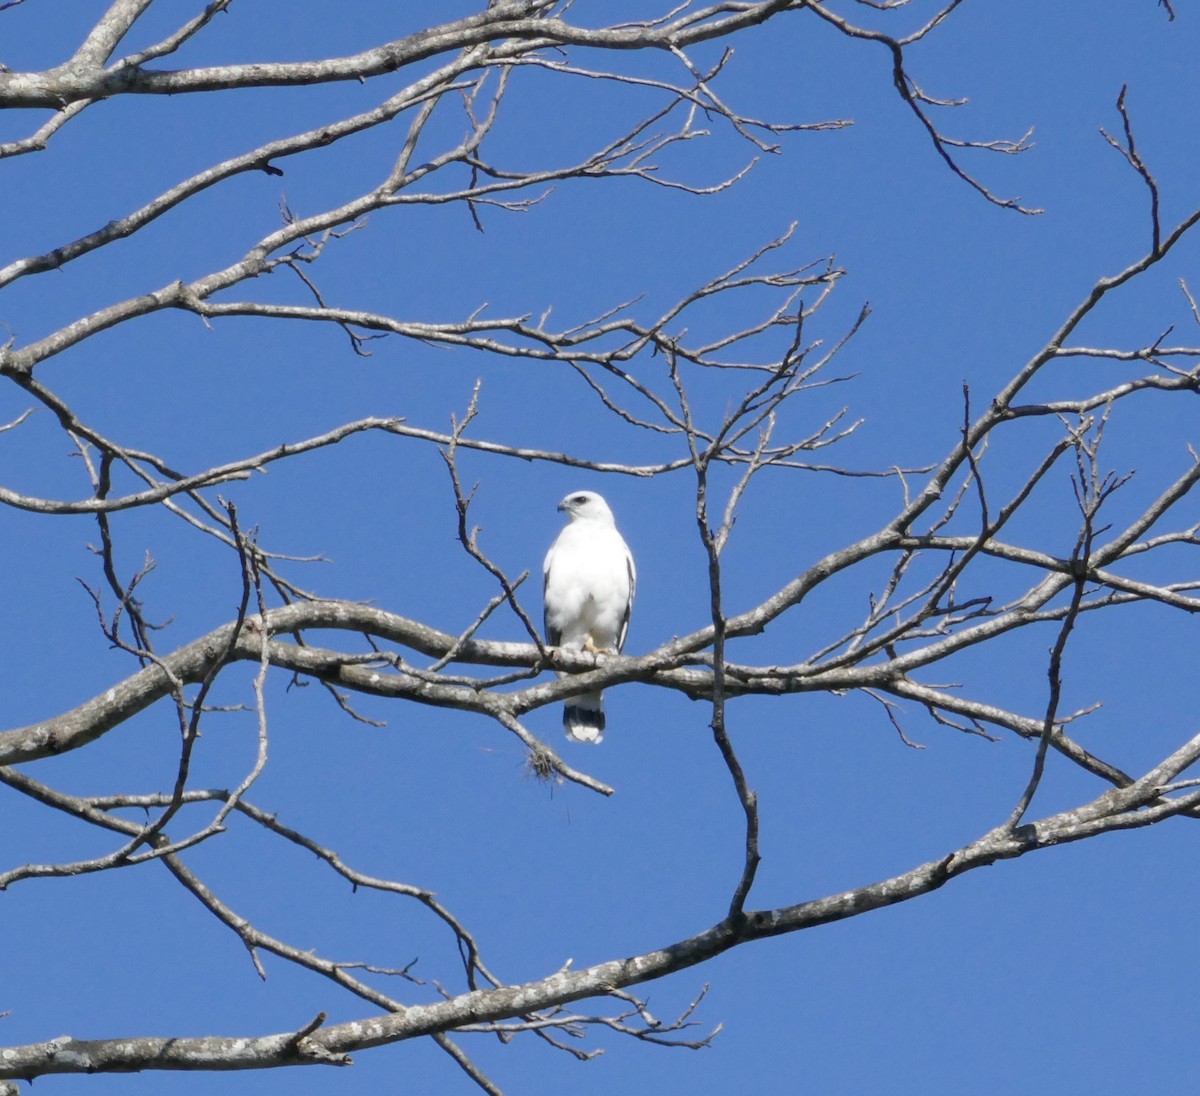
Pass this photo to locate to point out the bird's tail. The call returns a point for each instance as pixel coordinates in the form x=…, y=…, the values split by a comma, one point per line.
x=583, y=718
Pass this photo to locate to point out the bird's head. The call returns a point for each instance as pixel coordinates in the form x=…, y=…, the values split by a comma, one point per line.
x=585, y=506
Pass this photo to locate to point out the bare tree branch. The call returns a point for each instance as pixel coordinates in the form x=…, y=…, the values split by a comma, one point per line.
x=728, y=379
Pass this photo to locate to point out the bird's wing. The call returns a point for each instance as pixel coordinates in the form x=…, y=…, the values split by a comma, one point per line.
x=553, y=635
x=632, y=572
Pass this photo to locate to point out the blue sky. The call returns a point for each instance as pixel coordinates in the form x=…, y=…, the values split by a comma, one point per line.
x=1064, y=971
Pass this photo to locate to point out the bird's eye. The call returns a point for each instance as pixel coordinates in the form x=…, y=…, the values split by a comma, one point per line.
x=579, y=500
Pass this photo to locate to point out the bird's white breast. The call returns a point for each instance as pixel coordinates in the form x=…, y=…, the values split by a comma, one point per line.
x=588, y=584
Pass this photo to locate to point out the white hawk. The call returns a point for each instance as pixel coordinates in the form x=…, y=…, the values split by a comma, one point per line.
x=588, y=595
